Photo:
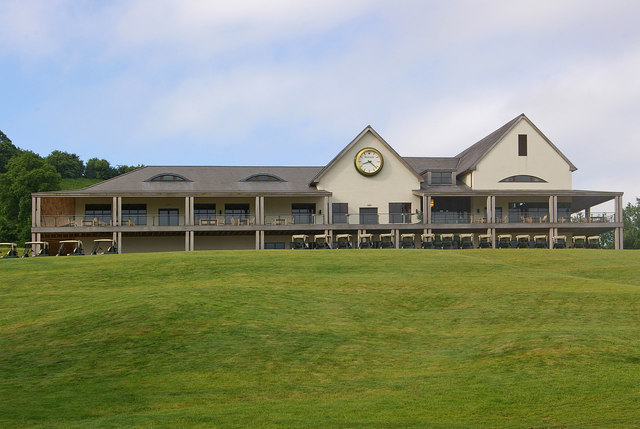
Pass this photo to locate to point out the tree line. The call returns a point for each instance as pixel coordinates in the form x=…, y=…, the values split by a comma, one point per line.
x=23, y=172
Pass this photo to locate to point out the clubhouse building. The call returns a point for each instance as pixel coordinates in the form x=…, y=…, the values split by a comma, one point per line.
x=512, y=183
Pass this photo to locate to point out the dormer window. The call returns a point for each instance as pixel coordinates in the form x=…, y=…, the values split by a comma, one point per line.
x=263, y=177
x=522, y=178
x=168, y=177
x=441, y=178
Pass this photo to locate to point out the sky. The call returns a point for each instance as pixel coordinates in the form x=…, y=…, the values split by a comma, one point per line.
x=188, y=82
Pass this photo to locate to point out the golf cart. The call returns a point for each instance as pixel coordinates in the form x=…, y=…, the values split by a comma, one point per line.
x=579, y=241
x=322, y=241
x=540, y=242
x=523, y=241
x=593, y=242
x=300, y=241
x=76, y=245
x=560, y=242
x=386, y=241
x=485, y=241
x=110, y=244
x=447, y=241
x=408, y=241
x=30, y=249
x=366, y=241
x=504, y=241
x=466, y=241
x=427, y=241
x=12, y=253
x=343, y=241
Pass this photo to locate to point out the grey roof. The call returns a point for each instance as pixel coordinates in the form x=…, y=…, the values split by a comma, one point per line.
x=423, y=164
x=470, y=157
x=211, y=180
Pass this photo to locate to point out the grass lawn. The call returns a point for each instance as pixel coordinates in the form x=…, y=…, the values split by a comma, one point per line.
x=378, y=338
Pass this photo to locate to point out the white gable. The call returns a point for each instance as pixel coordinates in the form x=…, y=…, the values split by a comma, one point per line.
x=394, y=183
x=542, y=160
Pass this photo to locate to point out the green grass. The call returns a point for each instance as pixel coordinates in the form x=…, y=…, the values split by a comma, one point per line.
x=380, y=338
x=78, y=183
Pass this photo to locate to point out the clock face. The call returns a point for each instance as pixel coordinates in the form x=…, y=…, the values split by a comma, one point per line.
x=368, y=161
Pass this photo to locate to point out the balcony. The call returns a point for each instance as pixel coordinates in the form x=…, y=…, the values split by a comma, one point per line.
x=376, y=218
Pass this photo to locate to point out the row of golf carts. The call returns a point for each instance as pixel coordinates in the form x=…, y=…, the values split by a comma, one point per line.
x=440, y=241
x=101, y=246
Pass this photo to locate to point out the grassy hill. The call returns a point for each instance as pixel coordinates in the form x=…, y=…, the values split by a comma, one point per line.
x=380, y=338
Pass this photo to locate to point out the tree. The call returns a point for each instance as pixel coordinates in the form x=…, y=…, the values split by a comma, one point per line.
x=69, y=165
x=121, y=169
x=7, y=151
x=26, y=173
x=99, y=169
x=631, y=218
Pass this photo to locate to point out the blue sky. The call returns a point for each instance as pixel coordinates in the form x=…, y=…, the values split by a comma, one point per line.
x=160, y=82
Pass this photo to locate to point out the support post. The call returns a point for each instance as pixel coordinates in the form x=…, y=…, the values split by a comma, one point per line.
x=38, y=211
x=325, y=219
x=428, y=209
x=186, y=212
x=114, y=212
x=33, y=212
x=119, y=210
x=397, y=238
x=186, y=241
x=119, y=241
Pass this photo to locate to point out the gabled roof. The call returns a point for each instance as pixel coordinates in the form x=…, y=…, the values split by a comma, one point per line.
x=367, y=129
x=470, y=157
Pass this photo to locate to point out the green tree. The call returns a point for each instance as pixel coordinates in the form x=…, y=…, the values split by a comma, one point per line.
x=121, y=169
x=7, y=151
x=69, y=165
x=99, y=169
x=631, y=217
x=26, y=173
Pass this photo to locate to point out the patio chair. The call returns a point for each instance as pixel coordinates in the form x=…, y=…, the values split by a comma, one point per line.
x=407, y=241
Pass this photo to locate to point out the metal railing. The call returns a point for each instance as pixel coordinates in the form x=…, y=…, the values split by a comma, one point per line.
x=376, y=218
x=294, y=219
x=600, y=217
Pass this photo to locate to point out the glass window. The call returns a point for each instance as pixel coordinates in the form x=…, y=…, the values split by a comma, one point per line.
x=303, y=213
x=369, y=215
x=263, y=177
x=168, y=178
x=204, y=211
x=522, y=145
x=168, y=217
x=136, y=214
x=441, y=178
x=235, y=212
x=399, y=212
x=100, y=212
x=340, y=211
x=523, y=178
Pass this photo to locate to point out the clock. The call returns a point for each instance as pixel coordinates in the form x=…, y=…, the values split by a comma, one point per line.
x=368, y=161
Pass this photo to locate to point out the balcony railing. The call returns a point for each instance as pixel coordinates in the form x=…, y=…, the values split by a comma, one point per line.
x=601, y=217
x=376, y=218
x=294, y=219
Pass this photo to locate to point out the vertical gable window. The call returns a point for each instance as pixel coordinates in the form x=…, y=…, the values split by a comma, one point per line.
x=522, y=145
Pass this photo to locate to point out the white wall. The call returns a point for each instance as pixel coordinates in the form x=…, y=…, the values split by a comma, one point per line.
x=394, y=184
x=503, y=161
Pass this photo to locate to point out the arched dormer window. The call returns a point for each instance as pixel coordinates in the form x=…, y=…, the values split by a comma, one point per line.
x=523, y=178
x=168, y=177
x=263, y=177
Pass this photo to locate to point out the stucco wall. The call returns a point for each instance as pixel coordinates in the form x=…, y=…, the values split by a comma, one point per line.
x=392, y=185
x=503, y=161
